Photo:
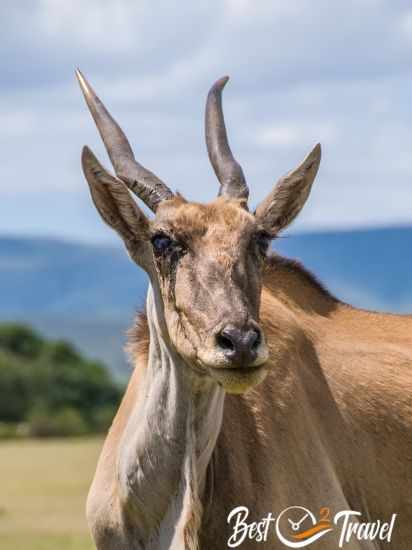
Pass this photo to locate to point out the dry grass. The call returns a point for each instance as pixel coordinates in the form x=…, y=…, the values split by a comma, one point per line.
x=43, y=488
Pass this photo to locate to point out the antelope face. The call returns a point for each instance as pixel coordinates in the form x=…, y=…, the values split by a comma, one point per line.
x=208, y=261
x=204, y=261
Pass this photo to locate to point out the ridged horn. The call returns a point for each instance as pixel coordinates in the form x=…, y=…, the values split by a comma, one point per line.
x=148, y=187
x=227, y=170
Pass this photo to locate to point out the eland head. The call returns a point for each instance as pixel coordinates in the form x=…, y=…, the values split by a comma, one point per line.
x=204, y=261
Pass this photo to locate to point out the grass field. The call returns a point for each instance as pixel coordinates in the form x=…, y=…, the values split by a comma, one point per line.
x=43, y=488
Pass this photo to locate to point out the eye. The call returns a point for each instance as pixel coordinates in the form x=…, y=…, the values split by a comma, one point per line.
x=263, y=240
x=161, y=243
x=165, y=245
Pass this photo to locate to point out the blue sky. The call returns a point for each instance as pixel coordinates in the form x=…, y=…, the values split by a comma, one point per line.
x=301, y=72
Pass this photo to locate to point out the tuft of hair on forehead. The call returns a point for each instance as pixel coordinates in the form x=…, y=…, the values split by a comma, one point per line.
x=193, y=217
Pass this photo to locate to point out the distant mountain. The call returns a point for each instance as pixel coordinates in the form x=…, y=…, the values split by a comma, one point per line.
x=89, y=294
x=58, y=278
x=369, y=268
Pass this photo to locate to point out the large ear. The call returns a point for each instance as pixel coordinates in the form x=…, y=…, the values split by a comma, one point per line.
x=115, y=204
x=289, y=195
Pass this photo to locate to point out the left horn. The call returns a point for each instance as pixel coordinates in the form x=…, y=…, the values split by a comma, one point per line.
x=227, y=170
x=148, y=187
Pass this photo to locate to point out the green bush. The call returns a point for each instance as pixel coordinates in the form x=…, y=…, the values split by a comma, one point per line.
x=66, y=422
x=14, y=388
x=102, y=418
x=21, y=340
x=8, y=430
x=51, y=386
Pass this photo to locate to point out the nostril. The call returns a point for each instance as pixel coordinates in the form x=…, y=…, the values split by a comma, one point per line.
x=256, y=339
x=225, y=342
x=239, y=344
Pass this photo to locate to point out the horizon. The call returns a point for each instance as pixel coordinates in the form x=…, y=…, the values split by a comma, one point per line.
x=112, y=240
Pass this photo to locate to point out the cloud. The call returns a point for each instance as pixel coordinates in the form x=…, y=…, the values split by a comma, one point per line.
x=301, y=73
x=293, y=134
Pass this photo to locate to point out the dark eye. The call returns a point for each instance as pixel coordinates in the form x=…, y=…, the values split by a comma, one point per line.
x=162, y=243
x=263, y=240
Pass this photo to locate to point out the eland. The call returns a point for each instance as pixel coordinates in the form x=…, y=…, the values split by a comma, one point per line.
x=253, y=386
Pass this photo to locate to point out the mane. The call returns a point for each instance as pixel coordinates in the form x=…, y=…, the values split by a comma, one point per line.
x=277, y=262
x=138, y=335
x=138, y=339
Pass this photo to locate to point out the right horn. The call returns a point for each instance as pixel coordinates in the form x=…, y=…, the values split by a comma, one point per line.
x=227, y=170
x=148, y=187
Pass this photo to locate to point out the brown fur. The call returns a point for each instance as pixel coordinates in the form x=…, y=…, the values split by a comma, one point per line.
x=331, y=423
x=348, y=372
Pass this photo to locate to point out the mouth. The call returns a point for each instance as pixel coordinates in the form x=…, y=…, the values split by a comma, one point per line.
x=238, y=379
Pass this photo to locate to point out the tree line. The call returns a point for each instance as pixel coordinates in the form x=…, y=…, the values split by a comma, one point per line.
x=48, y=388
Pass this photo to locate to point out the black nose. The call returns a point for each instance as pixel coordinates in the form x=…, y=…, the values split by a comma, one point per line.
x=239, y=345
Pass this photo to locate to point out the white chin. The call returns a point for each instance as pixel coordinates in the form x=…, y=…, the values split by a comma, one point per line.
x=238, y=380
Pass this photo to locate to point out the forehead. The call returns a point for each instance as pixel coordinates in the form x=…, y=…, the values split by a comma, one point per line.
x=218, y=218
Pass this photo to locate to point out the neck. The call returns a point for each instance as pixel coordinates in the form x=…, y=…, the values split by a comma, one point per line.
x=297, y=288
x=168, y=443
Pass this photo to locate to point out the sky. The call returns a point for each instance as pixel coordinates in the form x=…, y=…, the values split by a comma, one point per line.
x=302, y=72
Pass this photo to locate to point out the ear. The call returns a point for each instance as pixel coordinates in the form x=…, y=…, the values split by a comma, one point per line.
x=289, y=195
x=115, y=204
